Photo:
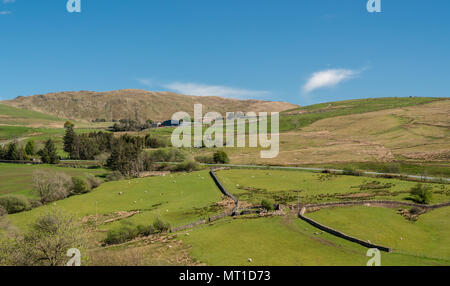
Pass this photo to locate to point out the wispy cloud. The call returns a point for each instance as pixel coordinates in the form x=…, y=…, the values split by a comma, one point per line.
x=5, y=12
x=8, y=1
x=190, y=88
x=329, y=78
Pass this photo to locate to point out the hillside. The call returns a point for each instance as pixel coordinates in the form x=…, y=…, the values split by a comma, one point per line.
x=134, y=104
x=370, y=130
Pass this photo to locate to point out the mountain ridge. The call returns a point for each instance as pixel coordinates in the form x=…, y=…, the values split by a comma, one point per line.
x=135, y=104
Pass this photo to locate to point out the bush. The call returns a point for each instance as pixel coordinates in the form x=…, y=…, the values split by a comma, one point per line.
x=421, y=194
x=93, y=181
x=128, y=232
x=267, y=205
x=34, y=203
x=172, y=155
x=161, y=226
x=155, y=142
x=351, y=172
x=3, y=211
x=220, y=157
x=14, y=204
x=188, y=166
x=121, y=235
x=205, y=159
x=80, y=186
x=51, y=186
x=114, y=176
x=145, y=230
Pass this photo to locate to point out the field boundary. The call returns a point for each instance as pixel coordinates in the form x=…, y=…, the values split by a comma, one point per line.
x=225, y=192
x=341, y=234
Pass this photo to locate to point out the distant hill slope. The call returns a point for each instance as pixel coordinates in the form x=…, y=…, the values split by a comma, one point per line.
x=303, y=116
x=135, y=104
x=15, y=116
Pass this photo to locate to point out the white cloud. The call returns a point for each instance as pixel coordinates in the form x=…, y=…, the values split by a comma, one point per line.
x=329, y=78
x=190, y=88
x=8, y=1
x=5, y=12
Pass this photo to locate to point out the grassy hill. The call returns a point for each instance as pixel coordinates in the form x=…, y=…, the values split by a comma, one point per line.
x=16, y=116
x=135, y=104
x=369, y=130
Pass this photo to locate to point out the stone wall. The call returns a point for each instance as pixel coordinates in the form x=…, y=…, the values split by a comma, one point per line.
x=224, y=191
x=340, y=234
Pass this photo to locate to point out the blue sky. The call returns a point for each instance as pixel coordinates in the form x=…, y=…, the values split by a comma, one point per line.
x=301, y=51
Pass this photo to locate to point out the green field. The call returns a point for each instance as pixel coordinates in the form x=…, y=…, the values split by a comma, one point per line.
x=16, y=116
x=283, y=186
x=179, y=199
x=17, y=178
x=435, y=169
x=427, y=237
x=280, y=241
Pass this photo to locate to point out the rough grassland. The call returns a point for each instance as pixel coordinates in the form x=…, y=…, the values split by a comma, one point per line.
x=17, y=179
x=277, y=241
x=418, y=133
x=428, y=237
x=255, y=185
x=173, y=198
x=304, y=116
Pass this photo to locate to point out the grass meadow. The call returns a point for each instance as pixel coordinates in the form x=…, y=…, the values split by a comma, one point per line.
x=285, y=186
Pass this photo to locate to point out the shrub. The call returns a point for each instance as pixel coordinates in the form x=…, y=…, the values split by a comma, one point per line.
x=188, y=166
x=421, y=194
x=267, y=205
x=14, y=204
x=80, y=185
x=121, y=235
x=220, y=157
x=51, y=186
x=391, y=168
x=205, y=159
x=160, y=226
x=172, y=155
x=93, y=181
x=351, y=172
x=128, y=232
x=34, y=203
x=114, y=176
x=3, y=211
x=45, y=242
x=155, y=142
x=145, y=230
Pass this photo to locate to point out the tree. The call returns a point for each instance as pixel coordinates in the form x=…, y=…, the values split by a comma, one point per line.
x=12, y=153
x=69, y=138
x=30, y=148
x=421, y=194
x=46, y=241
x=51, y=186
x=48, y=153
x=220, y=157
